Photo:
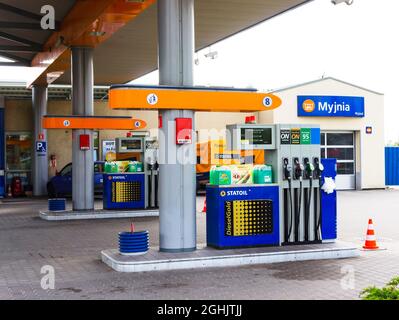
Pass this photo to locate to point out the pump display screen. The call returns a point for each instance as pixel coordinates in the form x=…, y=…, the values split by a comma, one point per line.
x=256, y=136
x=130, y=144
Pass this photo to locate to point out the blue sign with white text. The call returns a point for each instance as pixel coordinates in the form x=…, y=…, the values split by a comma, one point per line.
x=41, y=147
x=330, y=106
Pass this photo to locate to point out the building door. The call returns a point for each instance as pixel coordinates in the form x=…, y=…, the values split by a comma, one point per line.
x=341, y=146
x=19, y=157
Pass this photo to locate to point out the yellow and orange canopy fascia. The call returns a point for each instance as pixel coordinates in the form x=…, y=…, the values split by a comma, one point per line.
x=89, y=23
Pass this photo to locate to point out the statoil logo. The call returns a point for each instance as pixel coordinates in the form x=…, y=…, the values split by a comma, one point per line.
x=223, y=193
x=117, y=178
x=237, y=193
x=308, y=105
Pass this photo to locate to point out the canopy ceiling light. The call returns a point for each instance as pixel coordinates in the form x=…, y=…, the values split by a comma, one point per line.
x=348, y=2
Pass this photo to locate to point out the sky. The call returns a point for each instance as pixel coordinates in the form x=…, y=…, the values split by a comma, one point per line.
x=356, y=43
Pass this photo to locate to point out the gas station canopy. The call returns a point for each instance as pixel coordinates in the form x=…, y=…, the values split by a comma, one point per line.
x=122, y=31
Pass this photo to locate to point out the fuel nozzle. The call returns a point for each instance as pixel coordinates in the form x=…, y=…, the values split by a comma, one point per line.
x=298, y=169
x=309, y=168
x=318, y=168
x=286, y=169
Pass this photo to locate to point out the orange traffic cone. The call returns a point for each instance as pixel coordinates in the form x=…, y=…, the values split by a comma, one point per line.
x=371, y=240
x=204, y=209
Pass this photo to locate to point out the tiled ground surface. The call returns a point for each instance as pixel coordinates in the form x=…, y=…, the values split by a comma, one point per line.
x=27, y=243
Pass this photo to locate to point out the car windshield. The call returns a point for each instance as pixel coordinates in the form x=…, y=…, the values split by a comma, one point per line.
x=67, y=170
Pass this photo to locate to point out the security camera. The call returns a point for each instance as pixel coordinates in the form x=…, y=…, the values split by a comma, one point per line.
x=212, y=55
x=348, y=2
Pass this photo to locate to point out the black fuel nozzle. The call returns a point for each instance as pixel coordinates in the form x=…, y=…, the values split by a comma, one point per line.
x=309, y=168
x=286, y=169
x=298, y=169
x=318, y=168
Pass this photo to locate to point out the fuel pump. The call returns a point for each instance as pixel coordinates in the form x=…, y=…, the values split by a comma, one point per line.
x=293, y=151
x=309, y=168
x=318, y=169
x=288, y=210
x=298, y=175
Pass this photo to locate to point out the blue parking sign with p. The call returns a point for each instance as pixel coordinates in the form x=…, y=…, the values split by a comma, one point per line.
x=41, y=147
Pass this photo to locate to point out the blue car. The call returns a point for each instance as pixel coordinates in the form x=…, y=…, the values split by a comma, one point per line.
x=61, y=184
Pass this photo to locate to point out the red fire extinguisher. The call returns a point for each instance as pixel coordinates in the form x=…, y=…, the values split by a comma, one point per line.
x=16, y=187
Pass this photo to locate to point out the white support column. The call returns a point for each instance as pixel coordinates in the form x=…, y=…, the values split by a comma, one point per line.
x=177, y=208
x=82, y=104
x=40, y=160
x=2, y=149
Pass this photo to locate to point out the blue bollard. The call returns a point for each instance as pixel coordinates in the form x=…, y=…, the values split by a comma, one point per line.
x=133, y=243
x=57, y=204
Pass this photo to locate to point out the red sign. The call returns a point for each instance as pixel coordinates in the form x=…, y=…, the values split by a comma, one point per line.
x=184, y=128
x=84, y=142
x=40, y=136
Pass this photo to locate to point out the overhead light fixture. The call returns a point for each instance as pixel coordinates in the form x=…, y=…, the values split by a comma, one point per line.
x=3, y=59
x=97, y=33
x=59, y=42
x=348, y=2
x=47, y=62
x=52, y=76
x=196, y=60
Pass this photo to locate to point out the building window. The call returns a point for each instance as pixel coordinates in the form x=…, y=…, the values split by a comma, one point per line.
x=346, y=168
x=340, y=139
x=323, y=139
x=341, y=146
x=340, y=153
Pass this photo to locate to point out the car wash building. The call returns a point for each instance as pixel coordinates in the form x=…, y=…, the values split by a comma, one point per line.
x=352, y=127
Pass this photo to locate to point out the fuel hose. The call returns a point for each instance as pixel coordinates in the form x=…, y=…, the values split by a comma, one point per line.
x=298, y=214
x=318, y=233
x=291, y=210
x=308, y=205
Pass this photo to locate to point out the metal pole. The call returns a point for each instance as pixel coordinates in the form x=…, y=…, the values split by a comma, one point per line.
x=82, y=104
x=177, y=194
x=40, y=164
x=2, y=149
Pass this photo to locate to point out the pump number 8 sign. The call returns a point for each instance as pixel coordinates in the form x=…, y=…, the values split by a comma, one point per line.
x=267, y=102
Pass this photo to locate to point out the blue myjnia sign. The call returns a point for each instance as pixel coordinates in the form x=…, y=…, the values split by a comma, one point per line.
x=330, y=106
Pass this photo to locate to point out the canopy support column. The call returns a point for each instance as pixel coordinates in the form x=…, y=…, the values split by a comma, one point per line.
x=177, y=187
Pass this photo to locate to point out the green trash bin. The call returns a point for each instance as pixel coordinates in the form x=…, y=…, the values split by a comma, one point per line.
x=263, y=174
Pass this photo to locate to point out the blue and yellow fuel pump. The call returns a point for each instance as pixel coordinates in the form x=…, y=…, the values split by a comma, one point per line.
x=131, y=182
x=290, y=208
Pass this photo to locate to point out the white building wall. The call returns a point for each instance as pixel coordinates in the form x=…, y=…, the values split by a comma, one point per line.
x=370, y=170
